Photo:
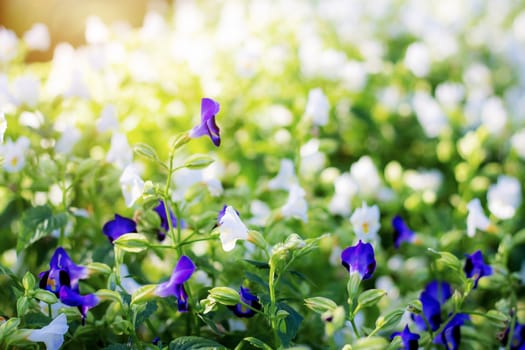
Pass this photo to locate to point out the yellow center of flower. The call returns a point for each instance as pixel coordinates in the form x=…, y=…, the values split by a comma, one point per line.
x=14, y=161
x=51, y=283
x=366, y=227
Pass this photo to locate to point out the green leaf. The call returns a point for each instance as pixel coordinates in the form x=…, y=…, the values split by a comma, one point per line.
x=259, y=344
x=39, y=222
x=369, y=298
x=289, y=325
x=132, y=242
x=146, y=150
x=192, y=342
x=320, y=304
x=143, y=315
x=448, y=259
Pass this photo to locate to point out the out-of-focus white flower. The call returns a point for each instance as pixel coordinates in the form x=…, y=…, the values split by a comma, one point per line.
x=8, y=45
x=248, y=59
x=52, y=334
x=345, y=189
x=214, y=187
x=260, y=213
x=476, y=218
x=365, y=174
x=417, y=59
x=37, y=37
x=131, y=184
x=201, y=278
x=296, y=205
x=108, y=119
x=424, y=180
x=25, y=90
x=365, y=221
x=285, y=178
x=312, y=160
x=14, y=154
x=317, y=107
x=70, y=136
x=273, y=116
x=32, y=120
x=231, y=228
x=96, y=31
x=518, y=142
x=153, y=27
x=353, y=76
x=429, y=114
x=504, y=197
x=183, y=179
x=77, y=85
x=127, y=282
x=3, y=127
x=493, y=115
x=120, y=153
x=450, y=94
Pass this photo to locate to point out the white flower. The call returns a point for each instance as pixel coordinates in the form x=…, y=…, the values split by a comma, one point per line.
x=214, y=187
x=429, y=114
x=365, y=174
x=183, y=180
x=365, y=221
x=32, y=120
x=312, y=160
x=231, y=228
x=285, y=178
x=260, y=211
x=96, y=31
x=8, y=45
x=345, y=189
x=493, y=115
x=127, y=282
x=70, y=136
x=518, y=142
x=108, y=119
x=26, y=89
x=14, y=154
x=131, y=184
x=317, y=107
x=423, y=180
x=296, y=205
x=3, y=127
x=37, y=38
x=52, y=334
x=504, y=197
x=476, y=218
x=120, y=153
x=417, y=59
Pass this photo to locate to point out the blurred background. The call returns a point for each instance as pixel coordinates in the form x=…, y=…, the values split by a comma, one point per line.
x=66, y=19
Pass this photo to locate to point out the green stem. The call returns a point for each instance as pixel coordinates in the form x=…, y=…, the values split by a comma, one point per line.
x=513, y=321
x=183, y=243
x=356, y=331
x=273, y=307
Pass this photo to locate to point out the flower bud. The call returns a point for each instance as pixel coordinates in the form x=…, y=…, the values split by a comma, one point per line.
x=320, y=304
x=224, y=295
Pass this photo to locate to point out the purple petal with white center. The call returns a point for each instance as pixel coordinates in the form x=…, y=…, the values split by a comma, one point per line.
x=359, y=258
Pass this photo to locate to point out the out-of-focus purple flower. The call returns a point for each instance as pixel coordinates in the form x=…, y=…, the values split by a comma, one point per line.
x=359, y=259
x=450, y=337
x=175, y=285
x=63, y=272
x=518, y=337
x=164, y=225
x=209, y=108
x=115, y=228
x=433, y=296
x=71, y=297
x=410, y=340
x=249, y=299
x=402, y=233
x=475, y=268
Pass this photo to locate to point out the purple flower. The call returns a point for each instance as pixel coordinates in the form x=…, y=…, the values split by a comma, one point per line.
x=410, y=340
x=402, y=233
x=248, y=298
x=62, y=272
x=450, y=337
x=433, y=296
x=71, y=297
x=475, y=267
x=360, y=259
x=115, y=228
x=164, y=225
x=175, y=285
x=518, y=337
x=209, y=108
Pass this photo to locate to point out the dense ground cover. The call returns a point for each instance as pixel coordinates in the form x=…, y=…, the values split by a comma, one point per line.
x=332, y=174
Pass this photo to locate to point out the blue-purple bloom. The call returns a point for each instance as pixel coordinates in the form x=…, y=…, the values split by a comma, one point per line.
x=72, y=297
x=249, y=299
x=164, y=225
x=450, y=337
x=175, y=285
x=63, y=272
x=410, y=340
x=209, y=108
x=476, y=268
x=115, y=228
x=359, y=258
x=433, y=296
x=402, y=233
x=518, y=337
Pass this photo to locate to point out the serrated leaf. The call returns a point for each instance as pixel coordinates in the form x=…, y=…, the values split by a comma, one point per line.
x=193, y=342
x=38, y=222
x=289, y=325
